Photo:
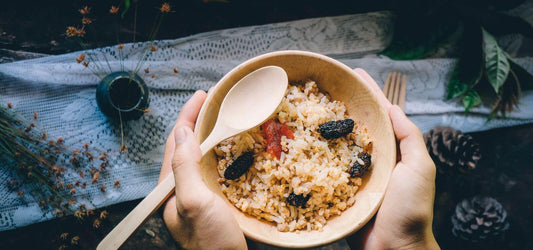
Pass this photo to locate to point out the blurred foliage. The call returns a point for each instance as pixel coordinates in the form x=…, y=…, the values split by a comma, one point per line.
x=422, y=27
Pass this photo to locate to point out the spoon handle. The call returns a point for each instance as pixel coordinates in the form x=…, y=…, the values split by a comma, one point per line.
x=148, y=205
x=139, y=214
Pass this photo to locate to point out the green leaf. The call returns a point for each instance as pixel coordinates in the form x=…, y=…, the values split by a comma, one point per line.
x=525, y=78
x=469, y=69
x=496, y=63
x=471, y=99
x=462, y=79
x=431, y=32
x=456, y=85
x=126, y=7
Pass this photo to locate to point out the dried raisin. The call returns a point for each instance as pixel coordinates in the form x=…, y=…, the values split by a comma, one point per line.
x=336, y=129
x=366, y=158
x=240, y=166
x=358, y=170
x=298, y=200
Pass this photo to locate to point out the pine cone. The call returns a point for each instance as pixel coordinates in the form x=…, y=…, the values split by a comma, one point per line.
x=481, y=218
x=451, y=150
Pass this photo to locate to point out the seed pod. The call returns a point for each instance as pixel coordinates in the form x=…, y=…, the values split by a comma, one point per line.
x=240, y=166
x=298, y=200
x=335, y=129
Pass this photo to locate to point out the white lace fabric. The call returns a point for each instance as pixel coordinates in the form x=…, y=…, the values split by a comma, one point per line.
x=63, y=93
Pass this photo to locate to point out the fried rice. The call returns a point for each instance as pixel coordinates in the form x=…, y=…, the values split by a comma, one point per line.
x=310, y=165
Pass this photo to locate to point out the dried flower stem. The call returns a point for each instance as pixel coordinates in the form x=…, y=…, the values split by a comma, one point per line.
x=135, y=21
x=151, y=37
x=39, y=166
x=121, y=128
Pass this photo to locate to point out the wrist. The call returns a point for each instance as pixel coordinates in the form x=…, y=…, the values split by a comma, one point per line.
x=427, y=241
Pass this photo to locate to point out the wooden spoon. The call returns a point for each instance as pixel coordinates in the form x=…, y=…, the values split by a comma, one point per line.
x=248, y=103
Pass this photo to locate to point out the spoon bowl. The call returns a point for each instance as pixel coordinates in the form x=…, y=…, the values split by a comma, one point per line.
x=248, y=103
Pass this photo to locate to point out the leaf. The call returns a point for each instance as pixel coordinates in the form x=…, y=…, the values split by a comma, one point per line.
x=469, y=69
x=508, y=97
x=525, y=78
x=126, y=7
x=496, y=63
x=471, y=99
x=432, y=30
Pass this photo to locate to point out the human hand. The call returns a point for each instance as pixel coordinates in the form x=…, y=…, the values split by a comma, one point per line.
x=195, y=216
x=405, y=217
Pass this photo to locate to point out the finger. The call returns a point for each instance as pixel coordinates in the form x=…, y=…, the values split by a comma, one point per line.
x=412, y=145
x=170, y=216
x=189, y=111
x=186, y=161
x=188, y=115
x=374, y=86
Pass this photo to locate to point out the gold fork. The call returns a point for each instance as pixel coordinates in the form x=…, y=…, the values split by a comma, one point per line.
x=394, y=88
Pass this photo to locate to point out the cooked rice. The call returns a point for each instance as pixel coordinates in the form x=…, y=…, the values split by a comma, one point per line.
x=313, y=165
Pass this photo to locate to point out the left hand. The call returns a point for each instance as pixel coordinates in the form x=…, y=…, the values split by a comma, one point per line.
x=196, y=217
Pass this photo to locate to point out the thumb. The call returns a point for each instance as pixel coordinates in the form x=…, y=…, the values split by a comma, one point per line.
x=412, y=145
x=186, y=160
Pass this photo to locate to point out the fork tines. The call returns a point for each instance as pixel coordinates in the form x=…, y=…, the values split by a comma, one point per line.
x=394, y=88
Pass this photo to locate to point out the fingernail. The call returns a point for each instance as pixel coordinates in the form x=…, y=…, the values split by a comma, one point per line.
x=180, y=135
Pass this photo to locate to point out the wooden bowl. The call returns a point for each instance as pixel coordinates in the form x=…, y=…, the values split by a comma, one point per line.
x=343, y=84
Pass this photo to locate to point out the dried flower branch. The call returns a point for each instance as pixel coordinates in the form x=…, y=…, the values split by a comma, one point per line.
x=103, y=214
x=75, y=240
x=86, y=20
x=39, y=166
x=88, y=61
x=113, y=10
x=96, y=176
x=165, y=8
x=80, y=58
x=63, y=236
x=85, y=10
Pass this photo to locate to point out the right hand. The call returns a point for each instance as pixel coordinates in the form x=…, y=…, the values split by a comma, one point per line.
x=405, y=217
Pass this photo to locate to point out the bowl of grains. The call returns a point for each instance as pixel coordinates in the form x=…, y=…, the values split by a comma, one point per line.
x=315, y=171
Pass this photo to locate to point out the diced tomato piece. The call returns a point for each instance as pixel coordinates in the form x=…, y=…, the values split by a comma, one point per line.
x=286, y=131
x=273, y=131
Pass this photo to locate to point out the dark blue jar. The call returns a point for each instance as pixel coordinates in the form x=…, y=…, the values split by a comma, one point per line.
x=122, y=95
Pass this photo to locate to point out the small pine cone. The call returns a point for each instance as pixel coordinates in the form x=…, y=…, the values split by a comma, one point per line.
x=451, y=150
x=479, y=219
